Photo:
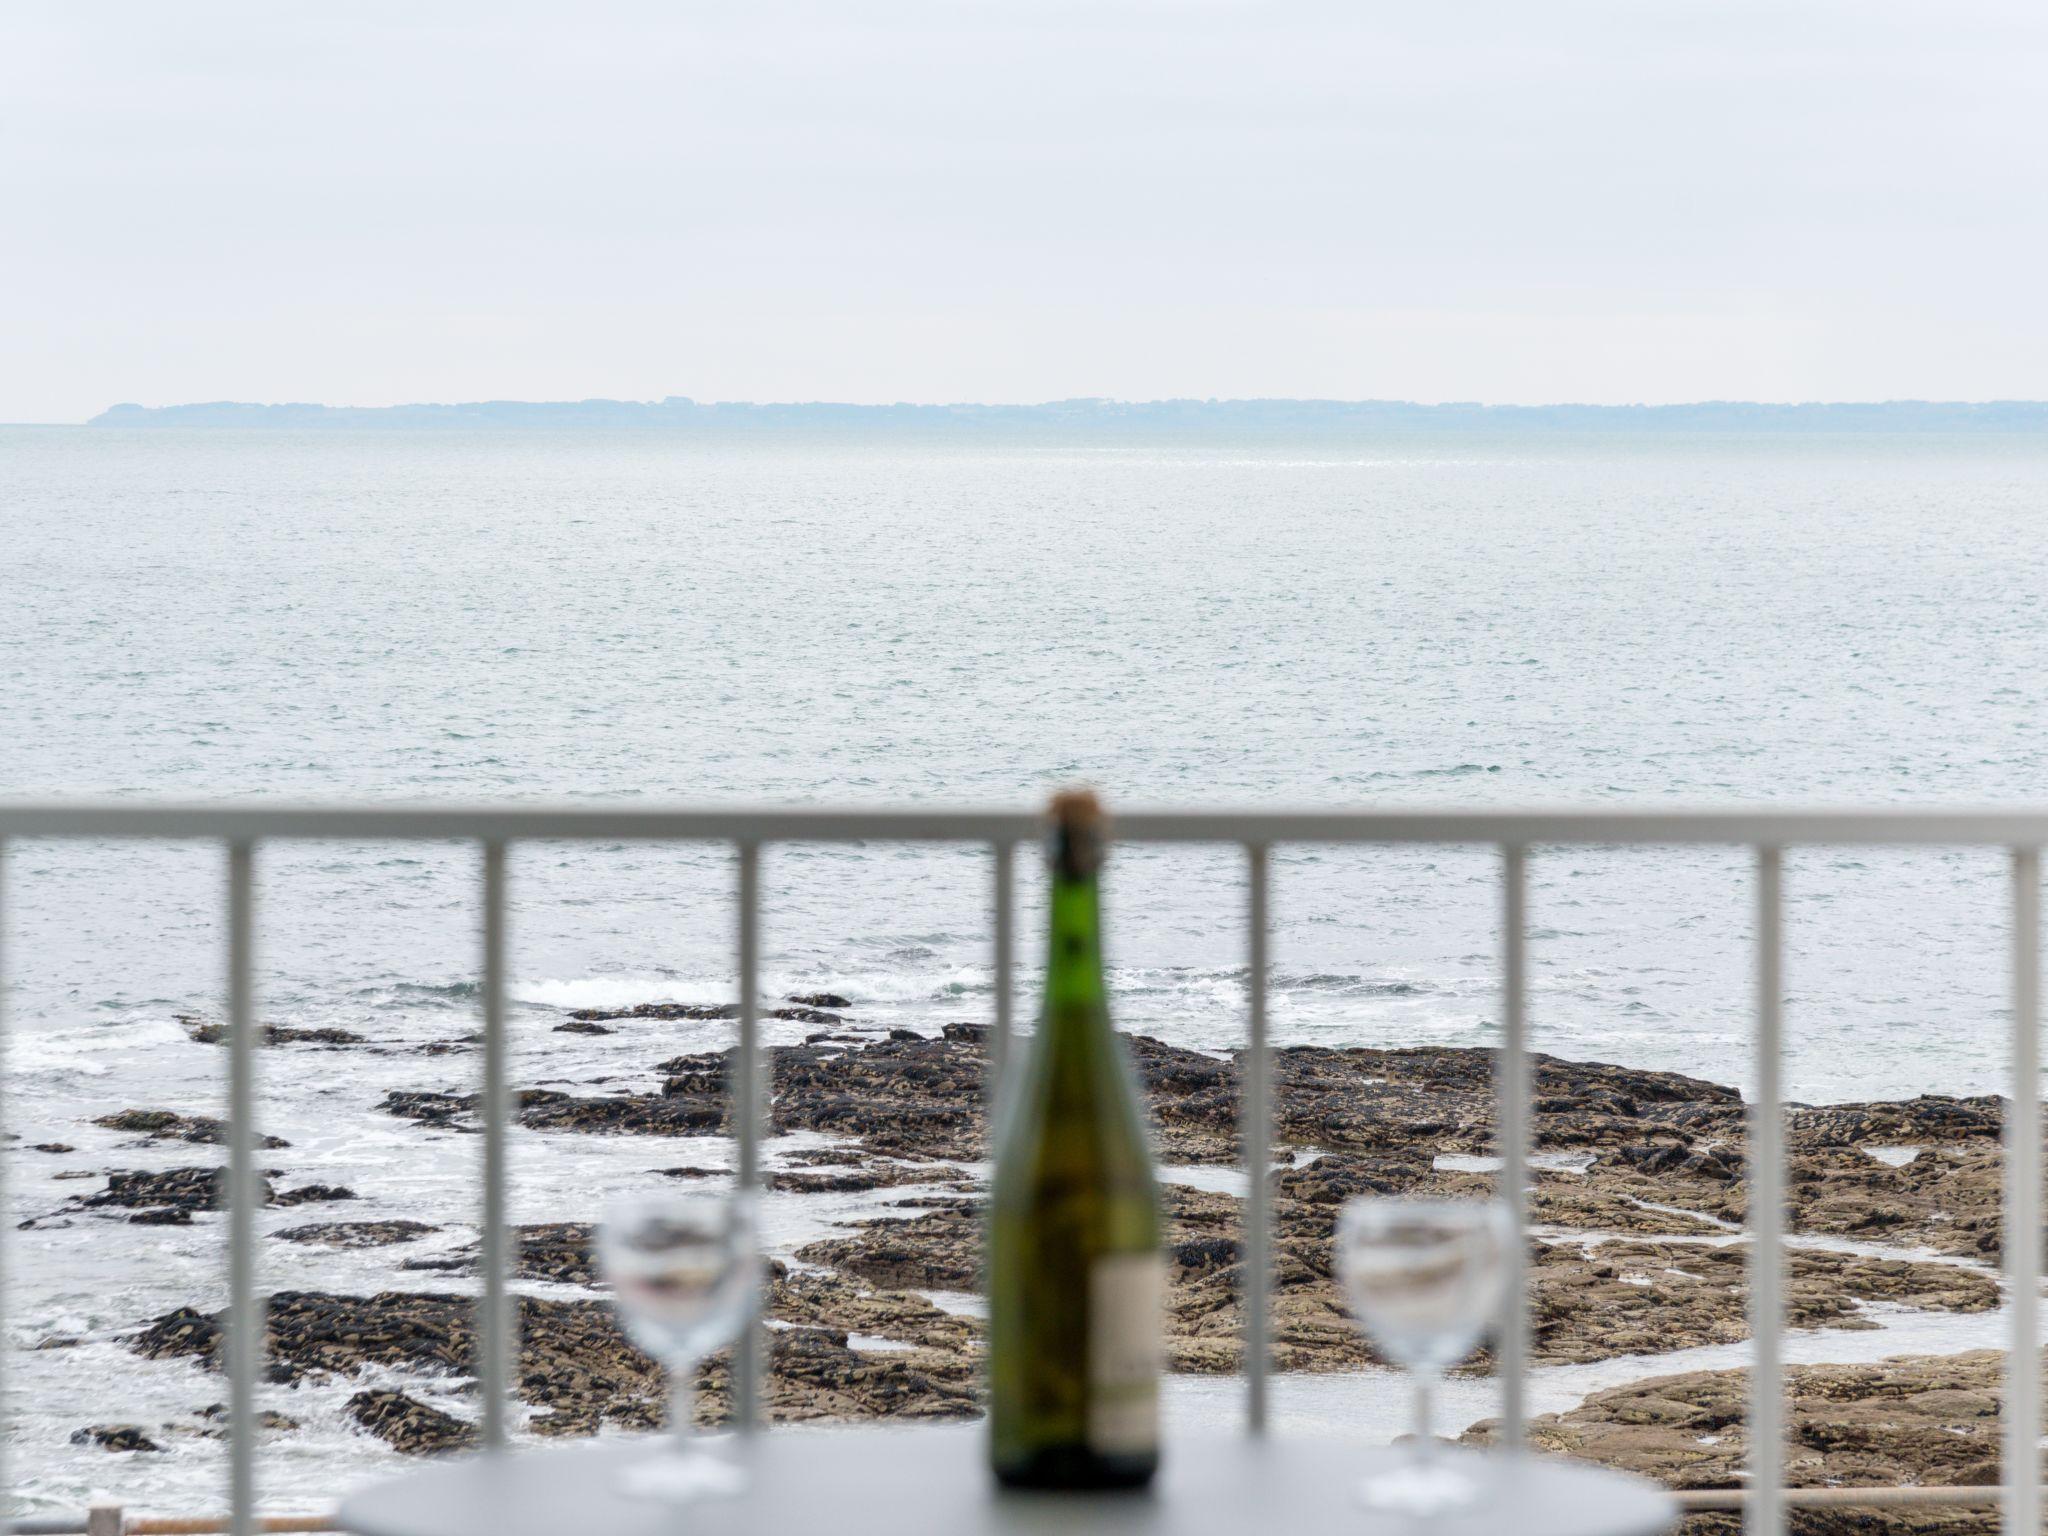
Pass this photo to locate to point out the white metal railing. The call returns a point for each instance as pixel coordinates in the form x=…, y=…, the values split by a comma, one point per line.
x=242, y=829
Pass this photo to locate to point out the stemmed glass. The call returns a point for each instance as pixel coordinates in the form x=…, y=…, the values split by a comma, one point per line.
x=1425, y=1278
x=685, y=1272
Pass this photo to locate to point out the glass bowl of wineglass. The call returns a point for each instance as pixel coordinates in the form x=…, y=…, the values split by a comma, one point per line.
x=685, y=1274
x=1425, y=1279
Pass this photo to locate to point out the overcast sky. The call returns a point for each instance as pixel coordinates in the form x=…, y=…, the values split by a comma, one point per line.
x=1022, y=200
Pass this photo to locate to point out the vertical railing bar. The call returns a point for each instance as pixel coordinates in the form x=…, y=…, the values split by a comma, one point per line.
x=1514, y=1114
x=2022, y=1495
x=245, y=1327
x=6, y=1418
x=1766, y=1512
x=750, y=1354
x=1257, y=1111
x=497, y=1333
x=1005, y=962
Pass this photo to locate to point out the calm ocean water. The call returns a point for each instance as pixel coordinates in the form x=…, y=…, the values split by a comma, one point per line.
x=645, y=618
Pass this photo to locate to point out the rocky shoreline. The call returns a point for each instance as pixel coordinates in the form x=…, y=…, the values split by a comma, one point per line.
x=1638, y=1194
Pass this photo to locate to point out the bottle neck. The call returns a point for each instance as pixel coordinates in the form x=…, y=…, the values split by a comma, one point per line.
x=1073, y=963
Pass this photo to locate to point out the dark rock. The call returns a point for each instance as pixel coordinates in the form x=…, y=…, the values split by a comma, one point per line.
x=188, y=1190
x=429, y=1108
x=820, y=1000
x=409, y=1426
x=114, y=1437
x=547, y=1109
x=162, y=1218
x=311, y=1194
x=167, y=1124
x=575, y=1362
x=184, y=1189
x=660, y=1011
x=358, y=1234
x=582, y=1027
x=214, y=1033
x=52, y=1146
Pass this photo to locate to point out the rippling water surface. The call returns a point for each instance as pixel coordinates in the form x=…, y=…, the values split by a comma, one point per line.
x=652, y=619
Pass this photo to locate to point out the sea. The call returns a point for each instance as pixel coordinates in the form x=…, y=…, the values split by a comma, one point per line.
x=651, y=618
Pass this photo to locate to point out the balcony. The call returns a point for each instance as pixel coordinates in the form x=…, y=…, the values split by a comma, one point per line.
x=1765, y=1501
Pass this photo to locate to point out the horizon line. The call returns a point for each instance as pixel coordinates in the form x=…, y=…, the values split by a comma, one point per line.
x=821, y=402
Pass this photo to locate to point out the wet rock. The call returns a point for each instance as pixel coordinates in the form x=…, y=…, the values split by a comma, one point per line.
x=211, y=1032
x=575, y=1363
x=802, y=1010
x=1909, y=1122
x=166, y=1124
x=1336, y=1177
x=659, y=1011
x=937, y=1252
x=549, y=1109
x=162, y=1218
x=184, y=1191
x=582, y=1027
x=115, y=1437
x=358, y=1234
x=1594, y=1300
x=215, y=1417
x=876, y=1175
x=467, y=1042
x=1928, y=1421
x=439, y=1109
x=820, y=1000
x=1642, y=1297
x=52, y=1146
x=557, y=1250
x=410, y=1426
x=815, y=1299
x=823, y=1157
x=310, y=1194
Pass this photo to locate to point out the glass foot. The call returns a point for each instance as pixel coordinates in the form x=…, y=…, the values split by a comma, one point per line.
x=682, y=1477
x=1420, y=1488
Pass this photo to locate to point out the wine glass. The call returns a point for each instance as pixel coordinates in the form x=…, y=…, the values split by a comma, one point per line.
x=685, y=1273
x=1425, y=1278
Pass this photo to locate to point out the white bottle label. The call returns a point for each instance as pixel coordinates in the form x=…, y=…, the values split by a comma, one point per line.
x=1125, y=1299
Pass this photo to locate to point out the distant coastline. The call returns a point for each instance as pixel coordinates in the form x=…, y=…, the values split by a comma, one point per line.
x=1107, y=418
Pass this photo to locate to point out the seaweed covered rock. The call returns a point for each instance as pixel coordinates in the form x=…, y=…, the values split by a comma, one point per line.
x=169, y=1125
x=408, y=1425
x=1925, y=1421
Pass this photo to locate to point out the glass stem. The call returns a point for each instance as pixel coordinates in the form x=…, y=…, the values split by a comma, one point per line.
x=682, y=1407
x=1425, y=1417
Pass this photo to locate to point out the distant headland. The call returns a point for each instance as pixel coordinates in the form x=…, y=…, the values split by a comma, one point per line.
x=1106, y=418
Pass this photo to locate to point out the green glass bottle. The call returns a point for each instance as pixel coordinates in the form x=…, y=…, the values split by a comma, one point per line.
x=1075, y=1276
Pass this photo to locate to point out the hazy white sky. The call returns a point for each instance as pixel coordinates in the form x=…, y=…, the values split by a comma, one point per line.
x=1510, y=200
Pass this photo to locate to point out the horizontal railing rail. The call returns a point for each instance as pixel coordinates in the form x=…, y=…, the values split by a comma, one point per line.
x=243, y=828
